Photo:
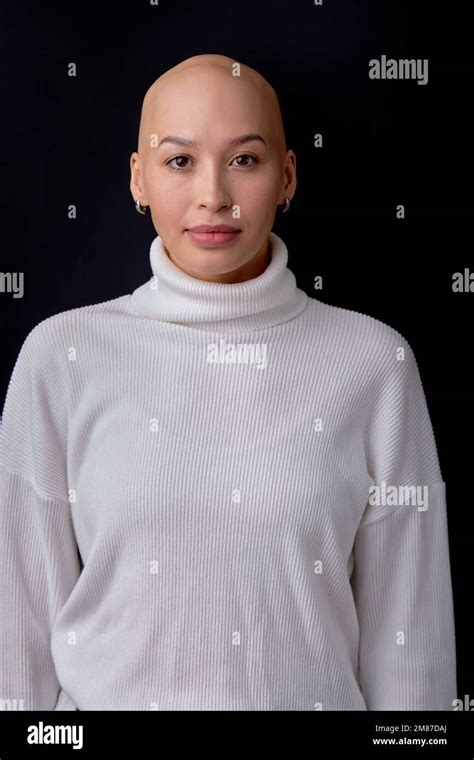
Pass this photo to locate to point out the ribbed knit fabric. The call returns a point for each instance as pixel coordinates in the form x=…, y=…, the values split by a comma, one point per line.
x=211, y=450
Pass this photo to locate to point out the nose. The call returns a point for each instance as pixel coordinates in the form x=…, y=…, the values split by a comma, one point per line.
x=211, y=190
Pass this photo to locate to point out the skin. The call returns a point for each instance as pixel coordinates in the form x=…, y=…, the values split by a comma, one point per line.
x=201, y=100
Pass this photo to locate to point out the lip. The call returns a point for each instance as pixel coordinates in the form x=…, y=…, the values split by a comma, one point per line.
x=213, y=228
x=212, y=236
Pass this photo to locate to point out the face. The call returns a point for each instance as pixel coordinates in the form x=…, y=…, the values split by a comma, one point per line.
x=190, y=173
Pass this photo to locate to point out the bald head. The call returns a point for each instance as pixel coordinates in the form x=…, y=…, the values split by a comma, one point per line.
x=212, y=151
x=191, y=83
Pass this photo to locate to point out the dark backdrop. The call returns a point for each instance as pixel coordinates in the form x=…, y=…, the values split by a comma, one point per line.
x=68, y=140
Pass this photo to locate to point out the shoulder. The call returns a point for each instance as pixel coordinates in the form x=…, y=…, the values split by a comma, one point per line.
x=43, y=354
x=55, y=331
x=361, y=338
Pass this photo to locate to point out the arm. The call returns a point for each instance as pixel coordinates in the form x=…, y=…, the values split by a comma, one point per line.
x=39, y=562
x=402, y=576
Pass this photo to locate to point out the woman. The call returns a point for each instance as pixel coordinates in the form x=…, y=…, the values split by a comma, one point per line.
x=217, y=492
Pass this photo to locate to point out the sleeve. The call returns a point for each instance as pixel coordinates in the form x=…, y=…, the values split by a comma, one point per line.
x=39, y=559
x=402, y=576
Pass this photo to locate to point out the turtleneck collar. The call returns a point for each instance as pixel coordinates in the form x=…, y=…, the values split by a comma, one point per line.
x=171, y=295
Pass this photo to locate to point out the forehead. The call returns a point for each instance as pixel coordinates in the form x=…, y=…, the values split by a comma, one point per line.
x=209, y=101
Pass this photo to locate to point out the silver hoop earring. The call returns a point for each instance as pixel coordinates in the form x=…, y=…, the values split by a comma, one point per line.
x=287, y=206
x=141, y=209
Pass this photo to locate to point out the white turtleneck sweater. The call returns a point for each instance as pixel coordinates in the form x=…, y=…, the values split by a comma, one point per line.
x=189, y=521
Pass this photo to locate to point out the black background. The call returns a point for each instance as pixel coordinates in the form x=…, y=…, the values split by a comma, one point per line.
x=68, y=141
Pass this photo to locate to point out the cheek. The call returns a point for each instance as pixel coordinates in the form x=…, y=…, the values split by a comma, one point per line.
x=264, y=189
x=167, y=201
x=260, y=199
x=164, y=190
x=167, y=210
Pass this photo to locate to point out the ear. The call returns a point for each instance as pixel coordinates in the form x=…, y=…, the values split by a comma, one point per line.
x=289, y=172
x=136, y=180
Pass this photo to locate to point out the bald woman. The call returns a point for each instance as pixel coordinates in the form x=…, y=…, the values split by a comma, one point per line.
x=218, y=493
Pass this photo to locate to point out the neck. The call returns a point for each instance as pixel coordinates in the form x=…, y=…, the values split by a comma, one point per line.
x=174, y=296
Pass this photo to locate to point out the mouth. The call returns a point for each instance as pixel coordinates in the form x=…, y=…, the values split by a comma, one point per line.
x=213, y=235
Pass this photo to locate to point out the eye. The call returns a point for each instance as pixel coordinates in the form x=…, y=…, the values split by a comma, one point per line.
x=177, y=158
x=251, y=161
x=247, y=155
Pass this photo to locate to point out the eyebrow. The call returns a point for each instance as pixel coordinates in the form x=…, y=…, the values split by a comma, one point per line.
x=232, y=142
